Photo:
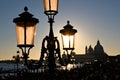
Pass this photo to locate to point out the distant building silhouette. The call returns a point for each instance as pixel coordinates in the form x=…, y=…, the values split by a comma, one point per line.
x=91, y=55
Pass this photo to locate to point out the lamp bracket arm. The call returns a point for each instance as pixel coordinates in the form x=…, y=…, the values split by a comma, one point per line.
x=43, y=50
x=58, y=50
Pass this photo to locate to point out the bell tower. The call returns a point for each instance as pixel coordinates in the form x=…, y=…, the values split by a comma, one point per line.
x=86, y=50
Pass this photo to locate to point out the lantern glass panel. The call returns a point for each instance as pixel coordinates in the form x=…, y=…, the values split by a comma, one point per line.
x=51, y=6
x=68, y=41
x=30, y=34
x=20, y=35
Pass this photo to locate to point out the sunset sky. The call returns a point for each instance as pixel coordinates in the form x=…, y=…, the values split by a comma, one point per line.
x=93, y=19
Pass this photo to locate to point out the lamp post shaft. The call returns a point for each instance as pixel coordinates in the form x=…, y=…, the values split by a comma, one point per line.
x=51, y=46
x=51, y=21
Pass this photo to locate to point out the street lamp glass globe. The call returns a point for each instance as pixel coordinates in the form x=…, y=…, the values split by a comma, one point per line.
x=25, y=29
x=68, y=37
x=29, y=33
x=51, y=7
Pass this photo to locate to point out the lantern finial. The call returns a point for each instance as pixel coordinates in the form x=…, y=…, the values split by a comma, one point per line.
x=68, y=22
x=25, y=9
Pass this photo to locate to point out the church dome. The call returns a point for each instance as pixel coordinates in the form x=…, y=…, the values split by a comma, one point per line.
x=98, y=48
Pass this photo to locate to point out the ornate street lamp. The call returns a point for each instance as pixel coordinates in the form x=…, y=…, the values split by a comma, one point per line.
x=50, y=44
x=68, y=38
x=25, y=32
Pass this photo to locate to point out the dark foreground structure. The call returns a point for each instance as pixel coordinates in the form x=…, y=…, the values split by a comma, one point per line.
x=95, y=71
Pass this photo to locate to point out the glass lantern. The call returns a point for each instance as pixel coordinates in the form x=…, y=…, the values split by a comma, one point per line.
x=25, y=29
x=68, y=36
x=51, y=7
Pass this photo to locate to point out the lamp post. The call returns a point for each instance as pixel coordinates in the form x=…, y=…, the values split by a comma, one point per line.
x=68, y=38
x=25, y=32
x=52, y=48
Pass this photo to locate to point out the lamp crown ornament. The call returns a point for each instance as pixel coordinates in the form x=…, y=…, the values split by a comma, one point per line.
x=26, y=16
x=68, y=29
x=68, y=25
x=25, y=9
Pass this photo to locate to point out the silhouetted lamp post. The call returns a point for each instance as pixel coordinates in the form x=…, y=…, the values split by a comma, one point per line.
x=52, y=48
x=25, y=32
x=68, y=38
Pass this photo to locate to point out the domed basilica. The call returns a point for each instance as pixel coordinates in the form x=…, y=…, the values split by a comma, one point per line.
x=92, y=54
